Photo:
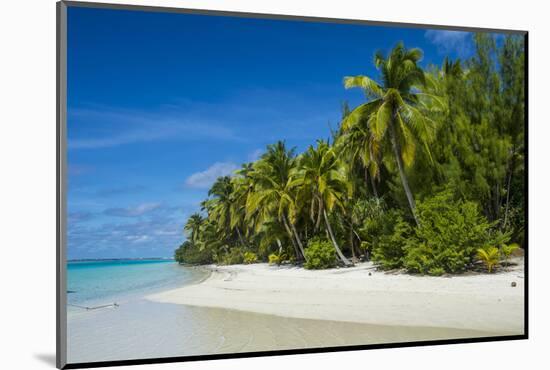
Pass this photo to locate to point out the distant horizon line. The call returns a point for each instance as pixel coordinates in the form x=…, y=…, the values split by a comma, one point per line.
x=119, y=259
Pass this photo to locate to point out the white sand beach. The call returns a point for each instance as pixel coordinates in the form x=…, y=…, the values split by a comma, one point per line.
x=361, y=294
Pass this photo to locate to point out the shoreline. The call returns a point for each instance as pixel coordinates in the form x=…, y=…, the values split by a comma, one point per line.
x=363, y=295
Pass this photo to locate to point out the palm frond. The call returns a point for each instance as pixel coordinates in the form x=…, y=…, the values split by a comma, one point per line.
x=380, y=121
x=358, y=114
x=371, y=88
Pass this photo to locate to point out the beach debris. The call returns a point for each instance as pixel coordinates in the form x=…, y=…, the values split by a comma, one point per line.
x=115, y=305
x=230, y=277
x=514, y=284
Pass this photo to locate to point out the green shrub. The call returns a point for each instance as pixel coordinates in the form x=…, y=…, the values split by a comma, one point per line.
x=277, y=259
x=191, y=254
x=388, y=248
x=449, y=235
x=274, y=259
x=178, y=254
x=507, y=250
x=234, y=257
x=490, y=256
x=320, y=254
x=419, y=258
x=250, y=257
x=516, y=223
x=436, y=271
x=375, y=222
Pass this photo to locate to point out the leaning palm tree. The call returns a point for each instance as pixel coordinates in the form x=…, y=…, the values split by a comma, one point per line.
x=210, y=239
x=395, y=110
x=226, y=209
x=193, y=226
x=219, y=203
x=242, y=188
x=270, y=238
x=321, y=176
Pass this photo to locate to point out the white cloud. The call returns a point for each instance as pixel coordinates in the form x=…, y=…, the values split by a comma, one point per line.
x=136, y=211
x=206, y=178
x=155, y=234
x=450, y=41
x=255, y=155
x=138, y=238
x=129, y=127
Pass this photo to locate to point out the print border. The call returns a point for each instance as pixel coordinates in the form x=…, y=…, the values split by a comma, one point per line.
x=61, y=187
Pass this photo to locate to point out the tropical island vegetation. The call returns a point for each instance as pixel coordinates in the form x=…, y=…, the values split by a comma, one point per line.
x=426, y=175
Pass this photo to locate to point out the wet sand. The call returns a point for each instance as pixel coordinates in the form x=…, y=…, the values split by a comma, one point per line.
x=143, y=329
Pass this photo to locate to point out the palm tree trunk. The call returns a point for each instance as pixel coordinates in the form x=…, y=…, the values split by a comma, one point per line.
x=292, y=239
x=241, y=237
x=298, y=239
x=338, y=251
x=402, y=175
x=358, y=245
x=372, y=183
x=318, y=223
x=352, y=242
x=296, y=250
x=280, y=246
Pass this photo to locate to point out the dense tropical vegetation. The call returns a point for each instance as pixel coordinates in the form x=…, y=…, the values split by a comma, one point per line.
x=426, y=175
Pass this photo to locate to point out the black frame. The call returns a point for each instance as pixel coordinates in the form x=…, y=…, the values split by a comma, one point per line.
x=61, y=167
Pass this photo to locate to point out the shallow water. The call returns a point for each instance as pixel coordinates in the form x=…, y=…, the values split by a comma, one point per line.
x=102, y=282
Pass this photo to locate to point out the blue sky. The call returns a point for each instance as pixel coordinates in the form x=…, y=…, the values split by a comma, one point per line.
x=159, y=105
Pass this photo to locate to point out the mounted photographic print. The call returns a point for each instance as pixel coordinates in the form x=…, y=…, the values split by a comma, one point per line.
x=234, y=185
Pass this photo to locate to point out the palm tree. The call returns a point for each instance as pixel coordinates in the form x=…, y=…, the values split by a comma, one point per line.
x=271, y=234
x=222, y=208
x=210, y=239
x=489, y=256
x=357, y=144
x=193, y=226
x=220, y=203
x=394, y=111
x=507, y=250
x=272, y=196
x=242, y=188
x=321, y=176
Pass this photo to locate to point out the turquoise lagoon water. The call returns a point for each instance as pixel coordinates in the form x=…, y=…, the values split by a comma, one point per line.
x=104, y=282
